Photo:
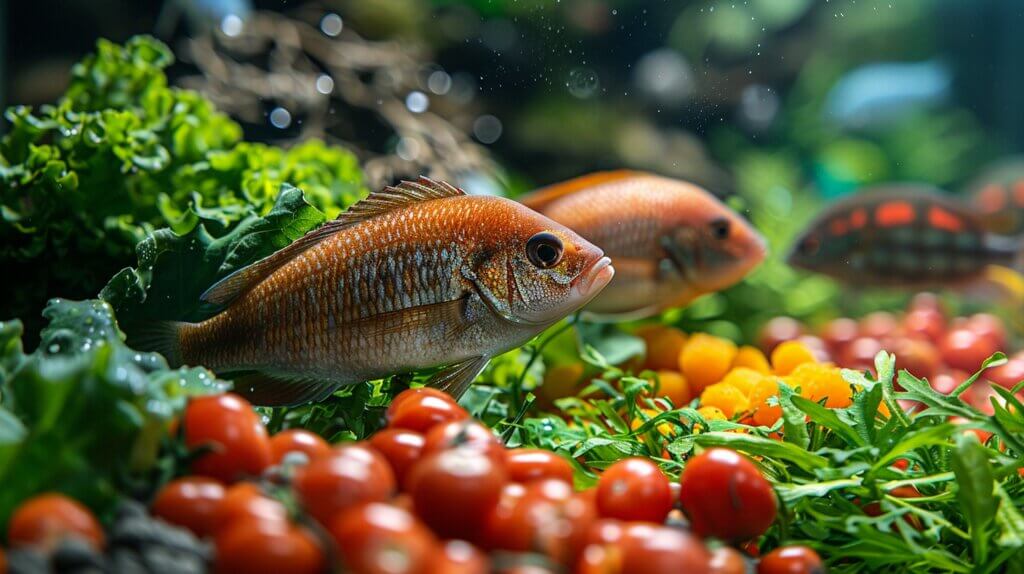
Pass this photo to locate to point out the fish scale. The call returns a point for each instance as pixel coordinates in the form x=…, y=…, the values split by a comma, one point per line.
x=412, y=277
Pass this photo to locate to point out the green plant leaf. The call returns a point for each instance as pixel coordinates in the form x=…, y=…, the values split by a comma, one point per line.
x=975, y=491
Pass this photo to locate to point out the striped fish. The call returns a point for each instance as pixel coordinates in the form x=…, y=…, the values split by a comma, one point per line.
x=671, y=241
x=416, y=276
x=902, y=235
x=998, y=195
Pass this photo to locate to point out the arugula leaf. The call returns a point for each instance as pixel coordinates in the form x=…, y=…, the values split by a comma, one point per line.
x=975, y=491
x=794, y=427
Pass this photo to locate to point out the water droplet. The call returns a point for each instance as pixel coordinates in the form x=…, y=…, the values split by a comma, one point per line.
x=487, y=129
x=583, y=82
x=417, y=102
x=331, y=24
x=280, y=118
x=324, y=84
x=54, y=348
x=231, y=25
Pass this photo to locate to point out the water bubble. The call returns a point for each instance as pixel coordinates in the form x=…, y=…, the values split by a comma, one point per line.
x=54, y=348
x=583, y=82
x=758, y=106
x=487, y=129
x=324, y=84
x=280, y=118
x=408, y=149
x=331, y=24
x=665, y=76
x=231, y=25
x=417, y=102
x=439, y=82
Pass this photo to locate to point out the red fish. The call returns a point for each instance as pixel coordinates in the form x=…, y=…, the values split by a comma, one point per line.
x=671, y=241
x=902, y=235
x=415, y=276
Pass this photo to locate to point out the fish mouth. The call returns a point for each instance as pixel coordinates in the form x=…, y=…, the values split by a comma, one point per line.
x=590, y=282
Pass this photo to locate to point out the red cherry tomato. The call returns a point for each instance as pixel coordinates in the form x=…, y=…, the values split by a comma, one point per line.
x=860, y=353
x=926, y=300
x=726, y=560
x=634, y=489
x=917, y=356
x=297, y=440
x=550, y=520
x=464, y=434
x=454, y=491
x=965, y=349
x=349, y=475
x=44, y=520
x=649, y=548
x=878, y=325
x=402, y=448
x=378, y=538
x=259, y=547
x=190, y=502
x=988, y=325
x=529, y=464
x=791, y=560
x=1008, y=375
x=498, y=521
x=227, y=425
x=929, y=324
x=778, y=330
x=460, y=557
x=725, y=496
x=243, y=502
x=422, y=408
x=838, y=333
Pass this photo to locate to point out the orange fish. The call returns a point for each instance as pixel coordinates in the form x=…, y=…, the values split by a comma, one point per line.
x=415, y=276
x=671, y=241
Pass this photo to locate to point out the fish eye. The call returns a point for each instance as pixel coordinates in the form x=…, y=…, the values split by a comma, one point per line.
x=544, y=250
x=809, y=246
x=720, y=228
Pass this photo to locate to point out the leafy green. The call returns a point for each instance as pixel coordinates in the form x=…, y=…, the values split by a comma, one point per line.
x=84, y=414
x=122, y=154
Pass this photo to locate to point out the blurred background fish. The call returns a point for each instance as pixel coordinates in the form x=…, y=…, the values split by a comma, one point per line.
x=998, y=195
x=671, y=241
x=903, y=235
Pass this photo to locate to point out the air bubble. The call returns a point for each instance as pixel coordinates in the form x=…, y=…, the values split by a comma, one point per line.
x=331, y=24
x=417, y=102
x=280, y=118
x=231, y=25
x=324, y=84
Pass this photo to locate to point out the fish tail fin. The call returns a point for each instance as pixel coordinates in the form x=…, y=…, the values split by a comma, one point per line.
x=162, y=337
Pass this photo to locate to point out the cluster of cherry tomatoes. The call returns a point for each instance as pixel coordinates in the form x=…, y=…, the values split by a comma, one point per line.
x=437, y=493
x=926, y=341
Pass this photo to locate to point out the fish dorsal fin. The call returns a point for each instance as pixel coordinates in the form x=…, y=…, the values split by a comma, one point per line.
x=399, y=196
x=392, y=197
x=541, y=198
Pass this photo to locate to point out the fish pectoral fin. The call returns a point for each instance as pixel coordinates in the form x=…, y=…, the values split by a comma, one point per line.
x=455, y=379
x=267, y=390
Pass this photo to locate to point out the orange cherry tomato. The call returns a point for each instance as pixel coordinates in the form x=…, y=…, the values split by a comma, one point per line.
x=44, y=520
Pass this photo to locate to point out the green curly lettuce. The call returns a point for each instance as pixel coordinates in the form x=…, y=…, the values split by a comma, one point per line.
x=122, y=154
